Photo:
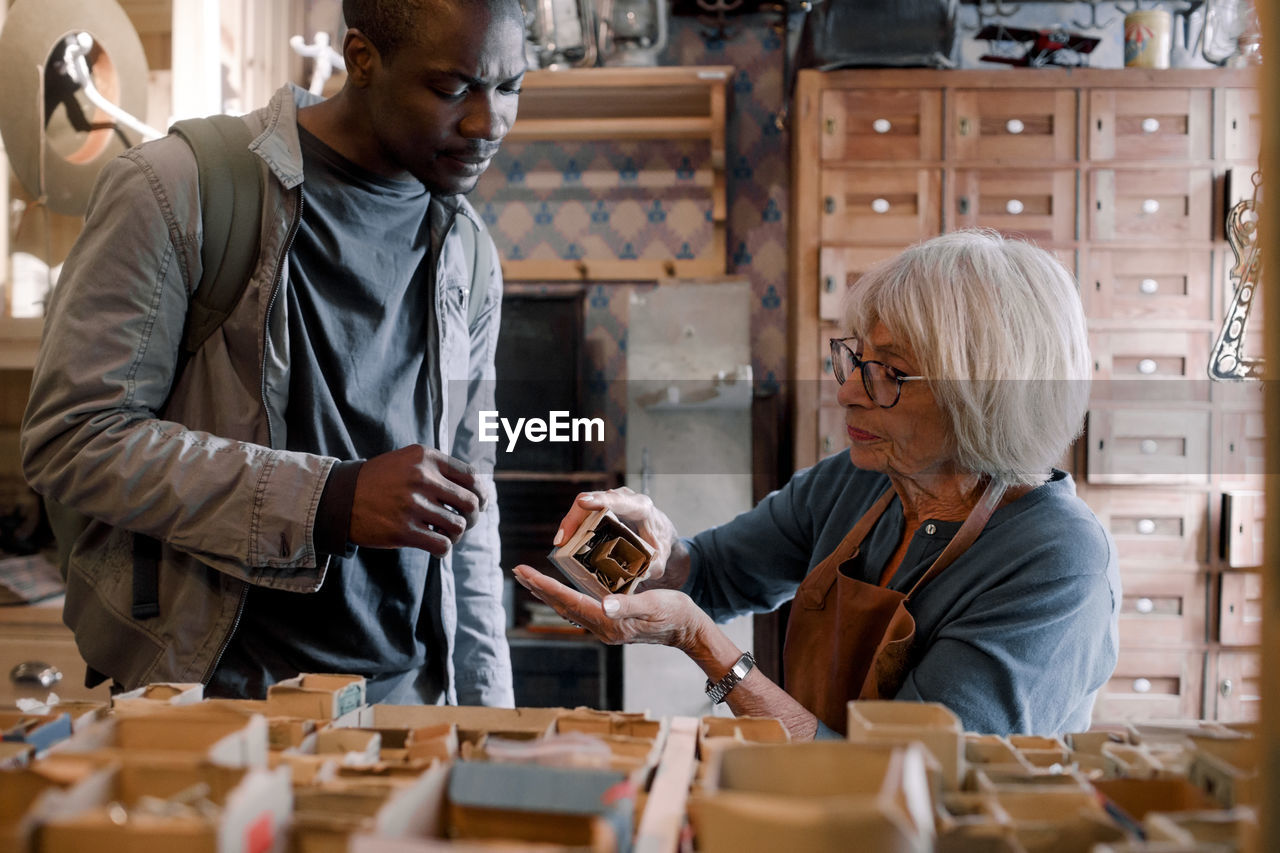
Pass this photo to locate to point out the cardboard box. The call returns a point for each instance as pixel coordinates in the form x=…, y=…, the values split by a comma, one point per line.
x=1226, y=768
x=473, y=721
x=814, y=793
x=604, y=556
x=161, y=693
x=588, y=808
x=1138, y=797
x=437, y=742
x=316, y=696
x=27, y=794
x=326, y=816
x=352, y=746
x=630, y=724
x=172, y=804
x=222, y=737
x=743, y=729
x=1058, y=821
x=82, y=711
x=932, y=724
x=1228, y=827
x=40, y=731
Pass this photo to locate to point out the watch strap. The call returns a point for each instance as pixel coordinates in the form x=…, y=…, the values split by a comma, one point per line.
x=718, y=691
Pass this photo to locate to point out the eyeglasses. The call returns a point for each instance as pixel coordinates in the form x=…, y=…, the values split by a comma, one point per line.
x=883, y=383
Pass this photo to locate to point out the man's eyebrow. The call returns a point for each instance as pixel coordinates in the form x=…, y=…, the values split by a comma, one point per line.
x=474, y=81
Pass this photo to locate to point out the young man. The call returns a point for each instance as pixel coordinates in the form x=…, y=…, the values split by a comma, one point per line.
x=305, y=492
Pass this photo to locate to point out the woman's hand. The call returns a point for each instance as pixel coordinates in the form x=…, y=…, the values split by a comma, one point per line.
x=659, y=616
x=632, y=509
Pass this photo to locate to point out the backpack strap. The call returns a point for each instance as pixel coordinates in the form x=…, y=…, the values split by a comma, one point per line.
x=230, y=178
x=481, y=263
x=230, y=182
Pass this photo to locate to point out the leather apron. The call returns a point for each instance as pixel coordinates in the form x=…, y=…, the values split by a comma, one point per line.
x=848, y=639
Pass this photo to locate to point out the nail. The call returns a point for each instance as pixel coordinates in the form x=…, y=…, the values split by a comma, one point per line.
x=559, y=537
x=612, y=606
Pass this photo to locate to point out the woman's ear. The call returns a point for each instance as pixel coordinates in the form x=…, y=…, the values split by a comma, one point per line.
x=361, y=57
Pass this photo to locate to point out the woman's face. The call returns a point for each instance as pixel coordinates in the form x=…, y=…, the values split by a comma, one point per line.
x=912, y=438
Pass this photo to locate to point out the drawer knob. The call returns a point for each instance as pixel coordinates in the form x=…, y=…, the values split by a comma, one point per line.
x=1141, y=685
x=880, y=205
x=1225, y=687
x=1150, y=205
x=1013, y=206
x=1150, y=125
x=829, y=204
x=34, y=673
x=1148, y=446
x=829, y=283
x=965, y=126
x=1014, y=126
x=881, y=125
x=1147, y=366
x=830, y=126
x=1144, y=605
x=1149, y=285
x=1146, y=526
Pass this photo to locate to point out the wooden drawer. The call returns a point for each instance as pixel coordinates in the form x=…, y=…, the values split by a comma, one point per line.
x=1242, y=133
x=1149, y=285
x=881, y=124
x=36, y=633
x=1147, y=446
x=894, y=206
x=1150, y=124
x=838, y=268
x=1151, y=205
x=1242, y=447
x=1168, y=366
x=1037, y=204
x=1162, y=608
x=1235, y=687
x=1152, y=684
x=1159, y=528
x=1244, y=521
x=1240, y=609
x=1009, y=125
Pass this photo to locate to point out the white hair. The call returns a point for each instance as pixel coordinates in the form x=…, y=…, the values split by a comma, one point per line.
x=997, y=328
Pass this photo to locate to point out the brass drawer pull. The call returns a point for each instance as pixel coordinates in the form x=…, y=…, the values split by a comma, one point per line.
x=34, y=673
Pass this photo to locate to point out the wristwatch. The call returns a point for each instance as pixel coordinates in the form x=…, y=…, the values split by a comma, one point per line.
x=718, y=691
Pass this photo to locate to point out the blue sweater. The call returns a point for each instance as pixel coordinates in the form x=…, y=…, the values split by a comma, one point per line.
x=1016, y=636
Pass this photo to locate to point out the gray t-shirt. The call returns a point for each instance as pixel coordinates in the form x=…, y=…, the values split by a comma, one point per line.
x=1016, y=636
x=360, y=331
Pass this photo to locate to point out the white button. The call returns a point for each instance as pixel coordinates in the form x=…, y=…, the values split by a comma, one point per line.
x=1149, y=285
x=880, y=205
x=1014, y=126
x=1013, y=206
x=1148, y=446
x=1141, y=685
x=1146, y=526
x=881, y=125
x=1147, y=366
x=1150, y=125
x=931, y=529
x=1150, y=205
x=1144, y=605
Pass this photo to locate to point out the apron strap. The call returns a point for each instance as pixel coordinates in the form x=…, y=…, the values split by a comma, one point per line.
x=813, y=590
x=973, y=525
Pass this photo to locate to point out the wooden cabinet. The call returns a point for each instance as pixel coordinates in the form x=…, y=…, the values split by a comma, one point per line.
x=1126, y=176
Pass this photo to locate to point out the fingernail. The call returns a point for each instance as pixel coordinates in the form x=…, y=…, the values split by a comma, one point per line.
x=612, y=606
x=559, y=537
x=589, y=499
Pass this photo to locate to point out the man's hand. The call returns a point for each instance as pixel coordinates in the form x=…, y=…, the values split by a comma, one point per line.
x=415, y=497
x=632, y=509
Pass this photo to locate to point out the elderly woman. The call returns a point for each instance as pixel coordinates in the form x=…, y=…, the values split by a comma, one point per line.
x=942, y=558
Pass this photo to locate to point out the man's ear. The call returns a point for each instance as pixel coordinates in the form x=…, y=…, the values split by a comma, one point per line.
x=361, y=57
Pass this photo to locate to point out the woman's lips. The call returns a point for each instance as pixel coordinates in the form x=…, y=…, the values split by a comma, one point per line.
x=860, y=435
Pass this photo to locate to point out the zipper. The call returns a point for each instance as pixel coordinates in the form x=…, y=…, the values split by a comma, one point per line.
x=266, y=411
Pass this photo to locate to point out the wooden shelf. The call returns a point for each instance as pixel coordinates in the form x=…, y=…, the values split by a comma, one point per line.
x=629, y=104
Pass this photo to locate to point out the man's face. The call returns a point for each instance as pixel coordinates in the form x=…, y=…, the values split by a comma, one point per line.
x=443, y=101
